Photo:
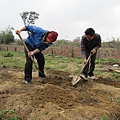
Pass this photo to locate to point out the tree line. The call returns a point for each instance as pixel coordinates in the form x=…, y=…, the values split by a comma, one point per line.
x=6, y=36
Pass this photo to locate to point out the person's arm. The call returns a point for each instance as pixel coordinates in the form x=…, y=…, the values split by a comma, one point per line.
x=19, y=31
x=94, y=50
x=99, y=43
x=33, y=52
x=83, y=49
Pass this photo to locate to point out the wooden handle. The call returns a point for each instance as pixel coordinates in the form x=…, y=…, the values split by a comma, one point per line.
x=28, y=52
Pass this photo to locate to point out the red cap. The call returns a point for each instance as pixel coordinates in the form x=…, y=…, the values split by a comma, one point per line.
x=52, y=36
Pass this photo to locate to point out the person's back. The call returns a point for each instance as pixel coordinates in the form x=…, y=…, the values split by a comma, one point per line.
x=38, y=40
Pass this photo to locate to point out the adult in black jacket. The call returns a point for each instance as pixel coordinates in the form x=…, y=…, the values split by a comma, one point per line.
x=90, y=43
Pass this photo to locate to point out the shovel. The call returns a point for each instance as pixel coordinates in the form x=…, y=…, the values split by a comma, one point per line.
x=76, y=79
x=28, y=52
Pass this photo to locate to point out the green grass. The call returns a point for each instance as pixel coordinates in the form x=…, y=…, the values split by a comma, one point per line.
x=17, y=60
x=103, y=92
x=61, y=62
x=104, y=117
x=100, y=61
x=116, y=75
x=59, y=67
x=11, y=59
x=110, y=60
x=118, y=101
x=8, y=54
x=103, y=61
x=8, y=115
x=118, y=80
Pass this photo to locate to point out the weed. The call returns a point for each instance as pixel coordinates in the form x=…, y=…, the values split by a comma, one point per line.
x=116, y=75
x=104, y=117
x=50, y=55
x=110, y=60
x=67, y=69
x=47, y=67
x=8, y=115
x=58, y=67
x=118, y=101
x=98, y=73
x=78, y=57
x=60, y=56
x=8, y=54
x=118, y=80
x=103, y=92
x=101, y=60
x=78, y=61
x=71, y=59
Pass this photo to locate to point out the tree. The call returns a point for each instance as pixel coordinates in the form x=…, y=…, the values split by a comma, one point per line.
x=77, y=41
x=6, y=36
x=29, y=17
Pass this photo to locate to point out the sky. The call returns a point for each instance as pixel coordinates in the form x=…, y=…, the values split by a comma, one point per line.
x=70, y=18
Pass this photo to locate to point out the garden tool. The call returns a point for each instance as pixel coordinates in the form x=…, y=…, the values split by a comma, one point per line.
x=76, y=79
x=28, y=52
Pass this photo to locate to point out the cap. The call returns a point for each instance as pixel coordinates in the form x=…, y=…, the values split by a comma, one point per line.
x=52, y=36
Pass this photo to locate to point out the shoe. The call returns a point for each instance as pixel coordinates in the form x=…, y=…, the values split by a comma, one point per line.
x=83, y=77
x=27, y=82
x=92, y=77
x=42, y=76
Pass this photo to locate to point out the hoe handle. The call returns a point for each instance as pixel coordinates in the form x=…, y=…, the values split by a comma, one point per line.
x=86, y=62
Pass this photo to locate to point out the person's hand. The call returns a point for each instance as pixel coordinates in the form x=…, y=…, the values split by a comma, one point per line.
x=85, y=61
x=93, y=51
x=31, y=53
x=17, y=32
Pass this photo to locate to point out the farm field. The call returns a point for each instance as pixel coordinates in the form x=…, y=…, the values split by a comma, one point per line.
x=54, y=98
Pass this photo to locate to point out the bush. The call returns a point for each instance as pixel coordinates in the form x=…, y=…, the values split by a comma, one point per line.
x=8, y=54
x=110, y=60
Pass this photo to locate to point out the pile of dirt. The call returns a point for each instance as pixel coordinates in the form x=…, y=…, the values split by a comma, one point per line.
x=54, y=98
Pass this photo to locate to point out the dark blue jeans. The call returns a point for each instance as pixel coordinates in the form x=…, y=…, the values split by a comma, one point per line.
x=89, y=68
x=28, y=65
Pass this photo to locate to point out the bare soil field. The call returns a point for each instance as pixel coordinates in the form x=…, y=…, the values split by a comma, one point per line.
x=54, y=98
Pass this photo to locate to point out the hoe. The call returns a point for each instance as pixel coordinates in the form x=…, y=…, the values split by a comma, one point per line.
x=76, y=79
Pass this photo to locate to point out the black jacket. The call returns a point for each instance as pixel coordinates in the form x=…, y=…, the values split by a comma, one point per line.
x=89, y=45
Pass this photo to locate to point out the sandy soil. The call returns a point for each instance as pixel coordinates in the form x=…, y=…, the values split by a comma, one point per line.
x=54, y=98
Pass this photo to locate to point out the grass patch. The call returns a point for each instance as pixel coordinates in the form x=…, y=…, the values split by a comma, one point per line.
x=116, y=75
x=103, y=92
x=104, y=117
x=112, y=60
x=8, y=54
x=118, y=101
x=59, y=67
x=100, y=61
x=12, y=59
x=103, y=61
x=17, y=60
x=118, y=80
x=8, y=115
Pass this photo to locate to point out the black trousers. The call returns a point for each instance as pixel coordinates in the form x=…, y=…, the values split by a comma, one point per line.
x=28, y=65
x=89, y=68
